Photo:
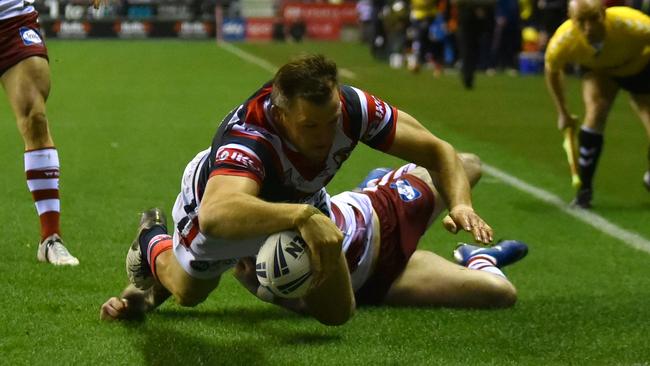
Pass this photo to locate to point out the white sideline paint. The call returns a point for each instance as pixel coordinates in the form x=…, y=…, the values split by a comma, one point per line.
x=594, y=220
x=347, y=74
x=267, y=65
x=248, y=57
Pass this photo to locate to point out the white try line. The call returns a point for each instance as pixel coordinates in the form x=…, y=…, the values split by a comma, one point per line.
x=267, y=65
x=596, y=221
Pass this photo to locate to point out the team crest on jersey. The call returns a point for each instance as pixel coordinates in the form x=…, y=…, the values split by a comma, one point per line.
x=405, y=190
x=30, y=37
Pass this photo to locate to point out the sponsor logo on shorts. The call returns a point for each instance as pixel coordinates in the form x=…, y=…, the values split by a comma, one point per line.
x=30, y=37
x=405, y=190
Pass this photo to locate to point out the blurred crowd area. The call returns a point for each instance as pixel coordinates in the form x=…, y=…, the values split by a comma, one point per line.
x=421, y=35
x=127, y=9
x=503, y=35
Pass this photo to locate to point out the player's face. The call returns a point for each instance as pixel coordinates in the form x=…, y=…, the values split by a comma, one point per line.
x=591, y=22
x=310, y=127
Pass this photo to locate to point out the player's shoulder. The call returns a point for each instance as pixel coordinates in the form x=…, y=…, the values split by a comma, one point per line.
x=351, y=94
x=625, y=12
x=565, y=31
x=562, y=40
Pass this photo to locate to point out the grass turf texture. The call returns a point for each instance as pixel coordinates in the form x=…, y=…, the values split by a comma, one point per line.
x=128, y=116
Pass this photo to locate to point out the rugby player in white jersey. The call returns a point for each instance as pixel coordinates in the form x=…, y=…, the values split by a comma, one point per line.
x=265, y=172
x=25, y=76
x=382, y=225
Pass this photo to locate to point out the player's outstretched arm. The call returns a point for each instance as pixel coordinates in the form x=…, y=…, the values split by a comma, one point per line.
x=133, y=303
x=230, y=209
x=416, y=144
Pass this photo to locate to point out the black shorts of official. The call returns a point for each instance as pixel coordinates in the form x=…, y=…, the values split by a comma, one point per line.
x=638, y=83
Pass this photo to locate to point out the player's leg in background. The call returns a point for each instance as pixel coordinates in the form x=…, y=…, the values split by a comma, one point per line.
x=472, y=165
x=641, y=104
x=598, y=93
x=28, y=85
x=430, y=280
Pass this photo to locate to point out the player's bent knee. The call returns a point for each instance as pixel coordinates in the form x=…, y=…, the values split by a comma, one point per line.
x=423, y=174
x=472, y=165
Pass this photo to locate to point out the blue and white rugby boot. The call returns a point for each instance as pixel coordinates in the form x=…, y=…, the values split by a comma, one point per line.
x=504, y=253
x=371, y=179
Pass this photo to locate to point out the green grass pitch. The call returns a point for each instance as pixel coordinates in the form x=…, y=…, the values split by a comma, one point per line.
x=128, y=115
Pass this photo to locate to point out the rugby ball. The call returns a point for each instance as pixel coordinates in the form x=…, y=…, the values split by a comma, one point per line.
x=283, y=265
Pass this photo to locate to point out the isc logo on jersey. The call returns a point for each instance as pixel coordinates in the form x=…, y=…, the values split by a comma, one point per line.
x=283, y=265
x=30, y=36
x=405, y=190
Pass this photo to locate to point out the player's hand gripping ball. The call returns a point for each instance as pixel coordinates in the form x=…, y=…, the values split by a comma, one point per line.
x=283, y=265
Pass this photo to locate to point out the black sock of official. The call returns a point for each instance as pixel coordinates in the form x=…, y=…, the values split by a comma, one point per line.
x=146, y=236
x=591, y=145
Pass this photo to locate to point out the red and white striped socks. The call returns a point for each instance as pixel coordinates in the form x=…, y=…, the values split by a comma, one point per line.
x=482, y=262
x=156, y=246
x=42, y=171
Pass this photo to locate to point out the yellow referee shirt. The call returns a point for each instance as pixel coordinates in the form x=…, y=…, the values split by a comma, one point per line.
x=624, y=52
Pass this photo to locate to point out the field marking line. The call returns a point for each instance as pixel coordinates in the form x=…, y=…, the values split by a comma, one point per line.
x=592, y=219
x=267, y=65
x=248, y=57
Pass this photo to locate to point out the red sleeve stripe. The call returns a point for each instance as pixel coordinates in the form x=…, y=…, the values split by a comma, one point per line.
x=237, y=173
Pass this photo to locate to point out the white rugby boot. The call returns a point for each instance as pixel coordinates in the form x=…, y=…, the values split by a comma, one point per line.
x=52, y=250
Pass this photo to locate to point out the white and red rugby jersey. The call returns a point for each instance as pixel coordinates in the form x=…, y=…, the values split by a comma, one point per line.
x=12, y=8
x=247, y=144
